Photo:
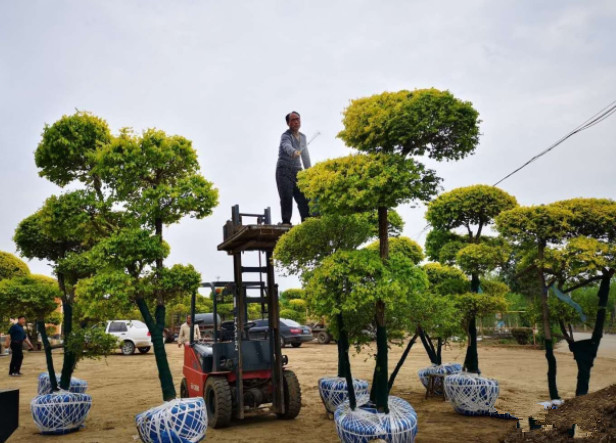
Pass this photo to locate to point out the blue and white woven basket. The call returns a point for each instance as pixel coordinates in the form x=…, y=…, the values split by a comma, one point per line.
x=183, y=420
x=444, y=369
x=44, y=385
x=60, y=412
x=471, y=394
x=333, y=391
x=365, y=423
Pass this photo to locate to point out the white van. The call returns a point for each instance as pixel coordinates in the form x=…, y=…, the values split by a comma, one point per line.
x=131, y=334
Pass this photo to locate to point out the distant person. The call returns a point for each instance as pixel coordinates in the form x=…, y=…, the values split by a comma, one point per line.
x=184, y=336
x=293, y=145
x=16, y=337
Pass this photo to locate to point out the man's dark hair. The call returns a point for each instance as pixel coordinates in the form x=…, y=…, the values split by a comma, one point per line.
x=20, y=317
x=288, y=116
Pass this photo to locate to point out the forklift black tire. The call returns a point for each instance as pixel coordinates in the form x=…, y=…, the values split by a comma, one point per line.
x=184, y=389
x=323, y=338
x=296, y=345
x=218, y=402
x=292, y=396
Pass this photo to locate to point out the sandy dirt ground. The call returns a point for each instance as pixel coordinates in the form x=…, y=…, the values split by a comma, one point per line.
x=122, y=386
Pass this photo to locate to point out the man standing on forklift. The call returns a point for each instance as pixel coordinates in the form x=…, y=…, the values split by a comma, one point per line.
x=293, y=145
x=184, y=335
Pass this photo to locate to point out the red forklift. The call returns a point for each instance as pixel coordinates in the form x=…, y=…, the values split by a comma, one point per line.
x=234, y=374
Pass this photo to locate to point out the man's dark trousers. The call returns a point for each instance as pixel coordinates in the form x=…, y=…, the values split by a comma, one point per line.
x=286, y=179
x=17, y=357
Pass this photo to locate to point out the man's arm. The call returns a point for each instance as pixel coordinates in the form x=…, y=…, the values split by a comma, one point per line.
x=27, y=340
x=181, y=337
x=287, y=145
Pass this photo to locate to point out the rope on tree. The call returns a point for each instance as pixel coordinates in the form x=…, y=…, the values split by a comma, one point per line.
x=333, y=391
x=60, y=412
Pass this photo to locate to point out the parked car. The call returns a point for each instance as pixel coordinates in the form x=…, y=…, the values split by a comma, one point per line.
x=131, y=334
x=291, y=332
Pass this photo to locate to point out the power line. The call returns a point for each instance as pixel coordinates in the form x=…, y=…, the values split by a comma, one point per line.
x=597, y=118
x=592, y=121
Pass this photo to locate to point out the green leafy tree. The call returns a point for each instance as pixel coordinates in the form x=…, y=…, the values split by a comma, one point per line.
x=391, y=128
x=347, y=286
x=10, y=266
x=156, y=178
x=536, y=227
x=71, y=223
x=59, y=232
x=34, y=296
x=436, y=314
x=472, y=210
x=305, y=249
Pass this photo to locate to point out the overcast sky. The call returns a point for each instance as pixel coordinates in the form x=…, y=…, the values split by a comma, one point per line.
x=224, y=74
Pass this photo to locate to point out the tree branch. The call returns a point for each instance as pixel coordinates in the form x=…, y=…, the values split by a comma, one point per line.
x=584, y=283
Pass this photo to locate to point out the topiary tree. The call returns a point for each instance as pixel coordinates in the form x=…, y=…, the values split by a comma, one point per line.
x=156, y=178
x=472, y=209
x=390, y=128
x=537, y=227
x=304, y=249
x=589, y=256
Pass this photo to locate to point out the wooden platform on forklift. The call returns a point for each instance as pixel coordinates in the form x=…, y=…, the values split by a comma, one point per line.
x=253, y=238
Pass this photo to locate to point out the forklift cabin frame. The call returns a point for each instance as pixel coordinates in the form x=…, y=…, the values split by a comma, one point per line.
x=239, y=238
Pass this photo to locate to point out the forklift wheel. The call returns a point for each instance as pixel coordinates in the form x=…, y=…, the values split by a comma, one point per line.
x=184, y=389
x=218, y=402
x=292, y=396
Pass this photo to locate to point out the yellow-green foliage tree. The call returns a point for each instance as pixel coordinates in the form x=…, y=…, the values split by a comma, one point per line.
x=391, y=128
x=10, y=266
x=293, y=305
x=470, y=209
x=588, y=257
x=536, y=228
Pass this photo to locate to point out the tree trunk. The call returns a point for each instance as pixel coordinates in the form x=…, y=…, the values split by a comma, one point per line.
x=70, y=359
x=547, y=329
x=401, y=361
x=380, y=392
x=344, y=365
x=471, y=361
x=426, y=344
x=383, y=234
x=155, y=326
x=585, y=351
x=47, y=347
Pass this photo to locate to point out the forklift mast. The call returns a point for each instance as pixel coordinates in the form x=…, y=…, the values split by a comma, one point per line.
x=238, y=238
